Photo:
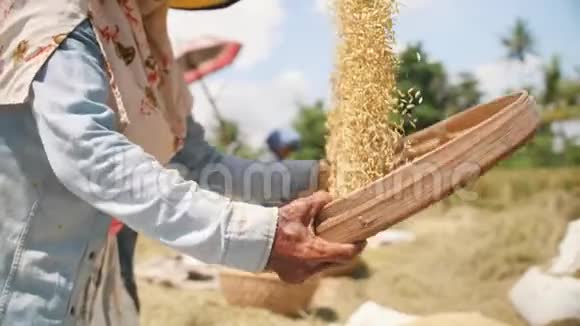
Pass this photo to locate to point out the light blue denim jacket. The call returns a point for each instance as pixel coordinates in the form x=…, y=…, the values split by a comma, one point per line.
x=64, y=170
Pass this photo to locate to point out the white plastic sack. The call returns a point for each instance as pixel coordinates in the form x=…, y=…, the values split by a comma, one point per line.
x=372, y=314
x=568, y=260
x=391, y=237
x=542, y=298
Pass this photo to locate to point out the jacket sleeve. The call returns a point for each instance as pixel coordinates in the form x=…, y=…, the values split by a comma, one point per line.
x=267, y=183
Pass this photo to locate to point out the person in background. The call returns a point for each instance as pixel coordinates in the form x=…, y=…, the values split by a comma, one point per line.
x=92, y=107
x=281, y=143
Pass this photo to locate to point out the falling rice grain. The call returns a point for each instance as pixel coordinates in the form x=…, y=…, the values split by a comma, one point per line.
x=365, y=125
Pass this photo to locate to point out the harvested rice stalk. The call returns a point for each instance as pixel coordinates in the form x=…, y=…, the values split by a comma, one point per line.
x=366, y=123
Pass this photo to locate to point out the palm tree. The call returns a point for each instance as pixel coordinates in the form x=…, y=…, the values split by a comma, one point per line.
x=520, y=41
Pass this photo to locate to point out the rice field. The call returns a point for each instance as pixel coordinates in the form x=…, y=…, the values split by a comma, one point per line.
x=473, y=251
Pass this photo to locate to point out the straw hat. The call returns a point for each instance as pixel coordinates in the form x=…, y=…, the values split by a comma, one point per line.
x=200, y=4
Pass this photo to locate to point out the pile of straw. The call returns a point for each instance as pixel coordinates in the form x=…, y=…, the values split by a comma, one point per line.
x=467, y=259
x=365, y=128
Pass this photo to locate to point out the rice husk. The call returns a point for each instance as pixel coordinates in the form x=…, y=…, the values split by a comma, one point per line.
x=364, y=128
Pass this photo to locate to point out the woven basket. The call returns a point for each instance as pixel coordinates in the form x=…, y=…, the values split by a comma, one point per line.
x=443, y=158
x=267, y=291
x=347, y=269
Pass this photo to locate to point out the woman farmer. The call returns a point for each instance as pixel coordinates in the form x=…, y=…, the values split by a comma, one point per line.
x=91, y=108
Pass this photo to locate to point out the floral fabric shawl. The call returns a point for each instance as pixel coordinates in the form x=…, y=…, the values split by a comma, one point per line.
x=147, y=87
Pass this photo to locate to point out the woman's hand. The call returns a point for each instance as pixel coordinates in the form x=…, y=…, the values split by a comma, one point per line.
x=297, y=252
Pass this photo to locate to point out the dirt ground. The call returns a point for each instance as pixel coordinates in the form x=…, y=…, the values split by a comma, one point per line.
x=466, y=258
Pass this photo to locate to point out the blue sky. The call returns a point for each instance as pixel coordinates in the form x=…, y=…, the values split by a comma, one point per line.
x=288, y=54
x=465, y=33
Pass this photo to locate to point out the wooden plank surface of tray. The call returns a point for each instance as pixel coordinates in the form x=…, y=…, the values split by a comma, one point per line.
x=443, y=158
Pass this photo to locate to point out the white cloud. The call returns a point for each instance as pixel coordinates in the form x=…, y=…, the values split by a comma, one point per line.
x=257, y=107
x=409, y=5
x=322, y=6
x=497, y=77
x=254, y=23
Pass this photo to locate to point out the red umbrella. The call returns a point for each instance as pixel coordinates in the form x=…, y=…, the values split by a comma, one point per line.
x=203, y=56
x=206, y=55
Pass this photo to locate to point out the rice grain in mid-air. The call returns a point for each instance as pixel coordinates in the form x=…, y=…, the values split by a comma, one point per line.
x=365, y=125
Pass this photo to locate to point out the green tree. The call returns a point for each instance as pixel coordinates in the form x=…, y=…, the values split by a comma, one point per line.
x=310, y=124
x=418, y=73
x=552, y=77
x=227, y=132
x=569, y=92
x=228, y=140
x=440, y=98
x=465, y=93
x=520, y=41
